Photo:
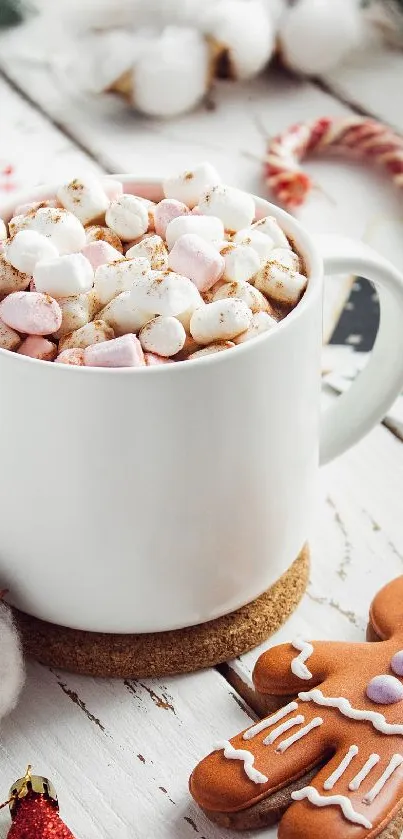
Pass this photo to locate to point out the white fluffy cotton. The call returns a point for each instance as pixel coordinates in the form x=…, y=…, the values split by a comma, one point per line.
x=11, y=662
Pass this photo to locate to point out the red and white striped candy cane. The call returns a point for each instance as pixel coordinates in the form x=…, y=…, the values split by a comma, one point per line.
x=354, y=136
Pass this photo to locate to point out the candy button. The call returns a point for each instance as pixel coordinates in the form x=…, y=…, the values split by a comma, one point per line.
x=385, y=690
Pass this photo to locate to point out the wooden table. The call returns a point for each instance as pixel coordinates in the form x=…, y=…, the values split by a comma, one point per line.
x=120, y=752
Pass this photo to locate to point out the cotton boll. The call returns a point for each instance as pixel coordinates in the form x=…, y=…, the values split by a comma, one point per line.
x=243, y=35
x=315, y=35
x=11, y=662
x=171, y=76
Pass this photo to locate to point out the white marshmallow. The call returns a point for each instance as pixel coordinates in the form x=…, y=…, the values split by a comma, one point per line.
x=9, y=339
x=188, y=186
x=279, y=283
x=27, y=248
x=114, y=277
x=18, y=222
x=261, y=322
x=3, y=231
x=154, y=249
x=76, y=312
x=64, y=276
x=84, y=197
x=165, y=293
x=220, y=321
x=63, y=229
x=235, y=208
x=10, y=278
x=123, y=315
x=285, y=257
x=254, y=240
x=91, y=333
x=250, y=295
x=186, y=316
x=270, y=227
x=163, y=336
x=96, y=233
x=209, y=228
x=128, y=217
x=211, y=349
x=241, y=262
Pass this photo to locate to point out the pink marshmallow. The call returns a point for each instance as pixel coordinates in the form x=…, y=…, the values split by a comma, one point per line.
x=125, y=351
x=152, y=360
x=197, y=259
x=74, y=356
x=165, y=211
x=100, y=252
x=37, y=347
x=31, y=312
x=113, y=189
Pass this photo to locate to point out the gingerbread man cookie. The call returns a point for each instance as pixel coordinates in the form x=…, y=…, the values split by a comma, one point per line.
x=331, y=751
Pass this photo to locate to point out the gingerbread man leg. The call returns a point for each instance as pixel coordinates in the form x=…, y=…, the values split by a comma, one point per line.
x=334, y=752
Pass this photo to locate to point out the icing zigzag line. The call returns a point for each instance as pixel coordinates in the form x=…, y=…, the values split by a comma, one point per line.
x=345, y=708
x=328, y=800
x=247, y=758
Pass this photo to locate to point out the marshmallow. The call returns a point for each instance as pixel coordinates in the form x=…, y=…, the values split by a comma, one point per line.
x=285, y=258
x=152, y=360
x=64, y=276
x=120, y=352
x=150, y=207
x=220, y=320
x=32, y=206
x=114, y=277
x=186, y=316
x=197, y=259
x=113, y=189
x=84, y=197
x=163, y=336
x=153, y=248
x=279, y=283
x=165, y=293
x=219, y=346
x=270, y=227
x=16, y=223
x=91, y=333
x=3, y=231
x=9, y=340
x=100, y=252
x=37, y=347
x=10, y=278
x=128, y=217
x=261, y=244
x=95, y=233
x=123, y=315
x=261, y=322
x=74, y=357
x=240, y=262
x=93, y=302
x=235, y=208
x=30, y=312
x=76, y=312
x=166, y=211
x=250, y=295
x=209, y=228
x=27, y=248
x=188, y=186
x=61, y=227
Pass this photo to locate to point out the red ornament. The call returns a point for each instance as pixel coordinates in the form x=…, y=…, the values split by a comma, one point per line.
x=35, y=811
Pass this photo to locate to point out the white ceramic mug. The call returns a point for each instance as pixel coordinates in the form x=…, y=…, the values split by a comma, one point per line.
x=151, y=499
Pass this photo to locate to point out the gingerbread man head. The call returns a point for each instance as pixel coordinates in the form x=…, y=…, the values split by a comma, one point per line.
x=331, y=751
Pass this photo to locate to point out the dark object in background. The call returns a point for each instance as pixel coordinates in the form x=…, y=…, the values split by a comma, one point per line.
x=11, y=13
x=359, y=320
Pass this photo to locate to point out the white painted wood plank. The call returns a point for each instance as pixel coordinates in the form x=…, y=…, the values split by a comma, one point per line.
x=120, y=753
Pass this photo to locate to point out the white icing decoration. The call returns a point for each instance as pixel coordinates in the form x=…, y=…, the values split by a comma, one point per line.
x=247, y=758
x=341, y=768
x=298, y=666
x=282, y=728
x=285, y=744
x=362, y=774
x=266, y=723
x=328, y=801
x=345, y=708
x=394, y=762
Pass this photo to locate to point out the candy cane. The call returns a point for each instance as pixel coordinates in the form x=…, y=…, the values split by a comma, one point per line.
x=354, y=136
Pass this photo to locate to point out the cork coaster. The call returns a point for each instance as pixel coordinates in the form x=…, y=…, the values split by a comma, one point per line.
x=167, y=653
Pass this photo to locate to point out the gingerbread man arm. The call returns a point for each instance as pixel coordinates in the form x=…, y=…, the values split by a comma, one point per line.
x=288, y=668
x=386, y=612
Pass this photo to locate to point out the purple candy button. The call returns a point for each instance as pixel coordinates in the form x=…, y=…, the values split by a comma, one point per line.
x=397, y=663
x=385, y=690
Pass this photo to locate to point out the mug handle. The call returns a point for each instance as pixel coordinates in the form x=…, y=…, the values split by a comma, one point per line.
x=357, y=410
